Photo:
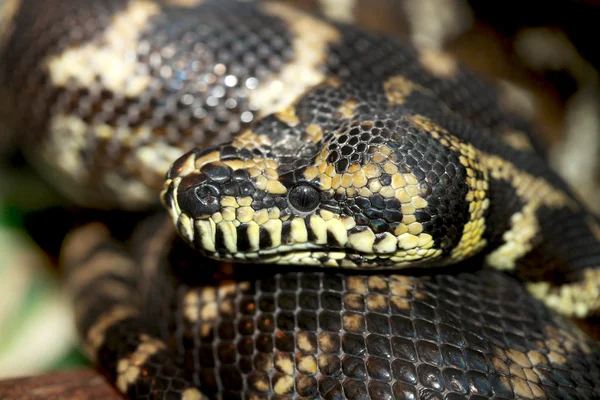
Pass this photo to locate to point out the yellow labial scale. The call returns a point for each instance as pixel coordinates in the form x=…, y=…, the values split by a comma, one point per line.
x=362, y=241
x=354, y=168
x=338, y=231
x=298, y=231
x=319, y=229
x=273, y=227
x=206, y=232
x=336, y=255
x=186, y=230
x=245, y=214
x=217, y=217
x=253, y=232
x=378, y=158
x=315, y=133
x=229, y=235
x=407, y=241
x=388, y=244
x=326, y=215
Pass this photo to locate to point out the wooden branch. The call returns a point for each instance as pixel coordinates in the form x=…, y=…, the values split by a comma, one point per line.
x=64, y=385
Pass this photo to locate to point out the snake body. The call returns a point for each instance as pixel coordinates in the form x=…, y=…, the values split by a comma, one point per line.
x=309, y=143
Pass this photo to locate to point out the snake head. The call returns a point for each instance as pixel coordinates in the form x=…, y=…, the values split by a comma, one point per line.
x=383, y=194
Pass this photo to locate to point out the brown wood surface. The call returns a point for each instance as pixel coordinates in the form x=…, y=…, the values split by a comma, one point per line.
x=84, y=384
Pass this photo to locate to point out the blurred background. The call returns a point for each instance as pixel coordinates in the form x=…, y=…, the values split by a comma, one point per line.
x=544, y=52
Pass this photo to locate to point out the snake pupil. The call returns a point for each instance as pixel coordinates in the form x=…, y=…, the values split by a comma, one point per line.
x=304, y=198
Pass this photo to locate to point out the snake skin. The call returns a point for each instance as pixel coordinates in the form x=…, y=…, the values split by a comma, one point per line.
x=259, y=333
x=109, y=95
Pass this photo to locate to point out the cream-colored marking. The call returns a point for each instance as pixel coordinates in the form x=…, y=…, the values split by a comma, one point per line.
x=398, y=88
x=517, y=140
x=288, y=115
x=191, y=302
x=284, y=384
x=338, y=10
x=192, y=394
x=536, y=192
x=353, y=322
x=184, y=3
x=356, y=284
x=101, y=264
x=112, y=58
x=439, y=63
x=400, y=303
x=95, y=335
x=362, y=241
x=186, y=227
x=273, y=228
x=229, y=235
x=311, y=39
x=128, y=369
x=284, y=364
x=319, y=229
x=376, y=302
x=337, y=230
x=8, y=10
x=207, y=232
x=578, y=299
x=304, y=343
x=133, y=186
x=307, y=364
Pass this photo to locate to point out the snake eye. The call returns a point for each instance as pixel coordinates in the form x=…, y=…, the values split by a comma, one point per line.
x=304, y=198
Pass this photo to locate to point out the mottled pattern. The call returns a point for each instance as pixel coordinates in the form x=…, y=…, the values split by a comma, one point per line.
x=319, y=144
x=260, y=334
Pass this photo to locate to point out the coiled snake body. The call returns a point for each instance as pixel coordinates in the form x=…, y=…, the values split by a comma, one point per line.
x=316, y=144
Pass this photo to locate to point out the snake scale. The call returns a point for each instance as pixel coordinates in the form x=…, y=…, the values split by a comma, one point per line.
x=309, y=144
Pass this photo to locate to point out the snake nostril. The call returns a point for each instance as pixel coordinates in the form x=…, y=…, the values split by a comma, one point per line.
x=304, y=198
x=200, y=201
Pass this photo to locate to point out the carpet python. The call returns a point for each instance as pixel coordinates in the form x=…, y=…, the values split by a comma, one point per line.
x=280, y=143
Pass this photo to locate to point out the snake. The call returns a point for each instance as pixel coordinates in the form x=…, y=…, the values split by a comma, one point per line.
x=347, y=215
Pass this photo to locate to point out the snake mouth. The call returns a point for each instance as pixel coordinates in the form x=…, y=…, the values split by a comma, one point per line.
x=308, y=240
